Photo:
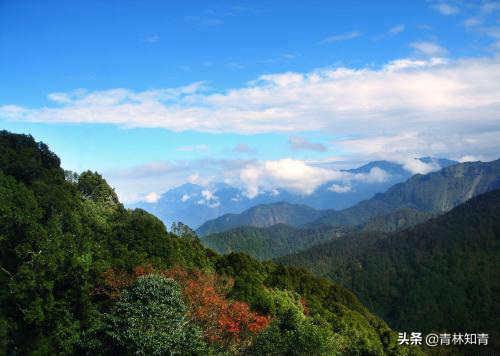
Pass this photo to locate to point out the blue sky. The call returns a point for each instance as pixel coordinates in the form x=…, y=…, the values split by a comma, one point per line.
x=156, y=93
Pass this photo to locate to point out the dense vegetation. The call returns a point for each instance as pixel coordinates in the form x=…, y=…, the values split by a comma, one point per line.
x=396, y=220
x=270, y=242
x=263, y=215
x=265, y=243
x=79, y=274
x=404, y=205
x=439, y=275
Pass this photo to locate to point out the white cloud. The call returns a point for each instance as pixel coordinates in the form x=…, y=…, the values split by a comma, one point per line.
x=237, y=198
x=342, y=37
x=376, y=175
x=340, y=188
x=401, y=64
x=430, y=49
x=291, y=174
x=208, y=195
x=299, y=143
x=341, y=99
x=494, y=33
x=473, y=21
x=470, y=158
x=396, y=29
x=490, y=6
x=404, y=147
x=403, y=95
x=483, y=13
x=196, y=178
x=209, y=199
x=59, y=98
x=185, y=198
x=299, y=177
x=446, y=9
x=152, y=197
x=416, y=166
x=406, y=108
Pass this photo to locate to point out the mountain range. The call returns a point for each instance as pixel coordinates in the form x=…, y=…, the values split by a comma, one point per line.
x=194, y=204
x=79, y=269
x=403, y=205
x=441, y=274
x=82, y=275
x=263, y=215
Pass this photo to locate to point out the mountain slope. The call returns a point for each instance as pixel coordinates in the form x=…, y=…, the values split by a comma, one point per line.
x=265, y=243
x=404, y=205
x=396, y=220
x=270, y=242
x=68, y=250
x=435, y=192
x=440, y=275
x=262, y=216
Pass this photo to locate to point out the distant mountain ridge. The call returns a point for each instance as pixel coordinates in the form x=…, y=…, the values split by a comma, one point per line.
x=263, y=215
x=193, y=204
x=445, y=268
x=435, y=192
x=402, y=206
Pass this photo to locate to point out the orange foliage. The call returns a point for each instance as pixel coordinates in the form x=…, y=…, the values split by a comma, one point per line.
x=114, y=283
x=304, y=306
x=230, y=323
x=227, y=322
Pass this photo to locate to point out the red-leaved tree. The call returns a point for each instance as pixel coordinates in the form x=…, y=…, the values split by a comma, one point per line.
x=228, y=323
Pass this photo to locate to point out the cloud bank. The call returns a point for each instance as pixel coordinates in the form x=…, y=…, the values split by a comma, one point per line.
x=406, y=108
x=255, y=177
x=407, y=95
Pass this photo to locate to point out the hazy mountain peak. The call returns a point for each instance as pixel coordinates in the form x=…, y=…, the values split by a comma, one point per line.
x=187, y=203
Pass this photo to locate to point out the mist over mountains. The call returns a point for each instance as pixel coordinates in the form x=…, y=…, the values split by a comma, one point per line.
x=194, y=204
x=402, y=206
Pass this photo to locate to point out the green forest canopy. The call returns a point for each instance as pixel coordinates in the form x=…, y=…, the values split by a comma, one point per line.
x=62, y=235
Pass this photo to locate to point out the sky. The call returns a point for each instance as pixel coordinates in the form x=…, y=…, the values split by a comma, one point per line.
x=283, y=94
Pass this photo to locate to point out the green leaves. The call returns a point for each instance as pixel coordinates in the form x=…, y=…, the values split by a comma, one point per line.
x=149, y=319
x=57, y=237
x=94, y=187
x=295, y=335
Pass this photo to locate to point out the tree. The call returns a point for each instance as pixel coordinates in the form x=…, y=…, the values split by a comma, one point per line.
x=94, y=187
x=295, y=335
x=229, y=324
x=183, y=230
x=149, y=319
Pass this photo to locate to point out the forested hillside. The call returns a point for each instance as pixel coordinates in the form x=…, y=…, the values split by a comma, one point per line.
x=262, y=216
x=396, y=220
x=440, y=275
x=404, y=205
x=82, y=275
x=265, y=243
x=433, y=193
x=270, y=242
